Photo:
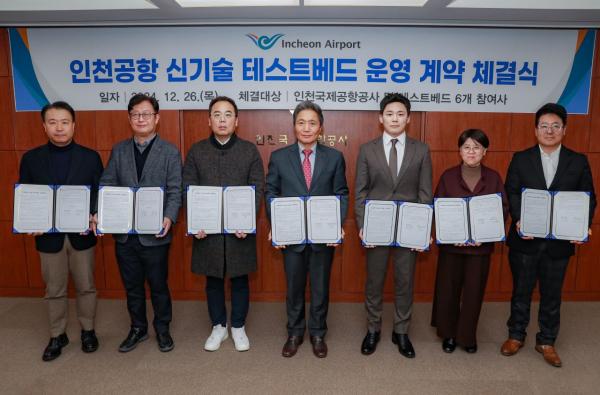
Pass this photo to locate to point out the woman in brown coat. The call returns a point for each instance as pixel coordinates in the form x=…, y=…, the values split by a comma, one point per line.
x=462, y=269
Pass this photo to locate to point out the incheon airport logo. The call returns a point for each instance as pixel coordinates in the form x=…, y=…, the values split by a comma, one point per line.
x=264, y=42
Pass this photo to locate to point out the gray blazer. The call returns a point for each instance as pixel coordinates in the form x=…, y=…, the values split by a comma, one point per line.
x=162, y=169
x=374, y=181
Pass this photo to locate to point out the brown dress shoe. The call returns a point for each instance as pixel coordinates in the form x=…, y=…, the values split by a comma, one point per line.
x=291, y=346
x=550, y=354
x=511, y=347
x=319, y=346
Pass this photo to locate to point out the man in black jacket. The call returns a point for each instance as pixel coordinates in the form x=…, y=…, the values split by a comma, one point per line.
x=550, y=166
x=63, y=162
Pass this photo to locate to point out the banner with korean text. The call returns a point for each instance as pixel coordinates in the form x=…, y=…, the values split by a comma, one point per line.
x=275, y=67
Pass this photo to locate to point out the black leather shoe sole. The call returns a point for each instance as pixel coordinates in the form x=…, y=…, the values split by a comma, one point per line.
x=369, y=344
x=129, y=347
x=89, y=347
x=471, y=349
x=448, y=345
x=406, y=350
x=166, y=346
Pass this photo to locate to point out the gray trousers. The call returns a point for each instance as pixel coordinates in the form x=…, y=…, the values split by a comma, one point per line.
x=403, y=261
x=55, y=271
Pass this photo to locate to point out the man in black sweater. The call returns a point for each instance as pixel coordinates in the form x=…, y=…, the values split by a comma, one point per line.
x=63, y=162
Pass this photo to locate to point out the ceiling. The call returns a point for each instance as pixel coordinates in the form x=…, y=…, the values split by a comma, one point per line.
x=507, y=13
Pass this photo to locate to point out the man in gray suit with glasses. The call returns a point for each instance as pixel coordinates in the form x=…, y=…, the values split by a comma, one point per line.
x=146, y=160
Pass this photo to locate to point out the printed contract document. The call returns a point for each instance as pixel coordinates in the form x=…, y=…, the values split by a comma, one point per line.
x=204, y=209
x=400, y=224
x=217, y=210
x=72, y=209
x=563, y=215
x=148, y=204
x=324, y=223
x=379, y=223
x=287, y=221
x=239, y=205
x=115, y=209
x=571, y=215
x=51, y=208
x=486, y=218
x=536, y=211
x=476, y=219
x=33, y=208
x=451, y=221
x=414, y=225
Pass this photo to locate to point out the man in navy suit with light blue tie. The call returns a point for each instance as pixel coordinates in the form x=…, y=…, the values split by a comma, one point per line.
x=301, y=169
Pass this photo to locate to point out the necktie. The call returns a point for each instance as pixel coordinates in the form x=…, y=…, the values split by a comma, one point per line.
x=393, y=164
x=306, y=167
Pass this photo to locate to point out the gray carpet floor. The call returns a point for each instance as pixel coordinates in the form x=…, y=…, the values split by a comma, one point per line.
x=188, y=369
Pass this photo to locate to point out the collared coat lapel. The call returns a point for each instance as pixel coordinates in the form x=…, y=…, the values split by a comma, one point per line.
x=320, y=160
x=379, y=153
x=563, y=163
x=152, y=159
x=409, y=153
x=536, y=163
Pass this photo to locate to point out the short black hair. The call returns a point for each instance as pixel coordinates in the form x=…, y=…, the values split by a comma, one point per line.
x=142, y=97
x=552, y=108
x=222, y=98
x=475, y=134
x=394, y=97
x=308, y=105
x=58, y=105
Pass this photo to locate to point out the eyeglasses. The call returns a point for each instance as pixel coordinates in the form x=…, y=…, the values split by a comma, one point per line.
x=545, y=128
x=475, y=148
x=144, y=115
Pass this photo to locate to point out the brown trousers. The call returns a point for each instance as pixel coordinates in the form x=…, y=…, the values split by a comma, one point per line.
x=459, y=278
x=55, y=271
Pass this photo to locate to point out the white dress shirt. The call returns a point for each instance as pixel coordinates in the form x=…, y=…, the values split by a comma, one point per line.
x=550, y=164
x=387, y=144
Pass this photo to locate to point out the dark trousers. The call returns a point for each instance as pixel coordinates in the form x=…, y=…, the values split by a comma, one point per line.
x=138, y=264
x=459, y=288
x=317, y=265
x=240, y=300
x=526, y=271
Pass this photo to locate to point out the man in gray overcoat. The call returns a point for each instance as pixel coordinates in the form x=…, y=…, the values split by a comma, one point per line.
x=225, y=160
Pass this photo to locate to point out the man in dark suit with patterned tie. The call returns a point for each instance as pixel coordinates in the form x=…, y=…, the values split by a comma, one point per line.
x=301, y=169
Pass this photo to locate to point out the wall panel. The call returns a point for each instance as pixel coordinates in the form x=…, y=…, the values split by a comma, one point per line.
x=102, y=129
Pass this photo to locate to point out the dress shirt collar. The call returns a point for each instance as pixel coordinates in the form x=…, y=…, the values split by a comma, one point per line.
x=302, y=147
x=388, y=138
x=553, y=155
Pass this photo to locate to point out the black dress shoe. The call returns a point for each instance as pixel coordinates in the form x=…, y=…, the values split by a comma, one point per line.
x=404, y=345
x=89, y=341
x=165, y=342
x=54, y=347
x=291, y=346
x=369, y=343
x=135, y=336
x=471, y=349
x=449, y=345
x=319, y=346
